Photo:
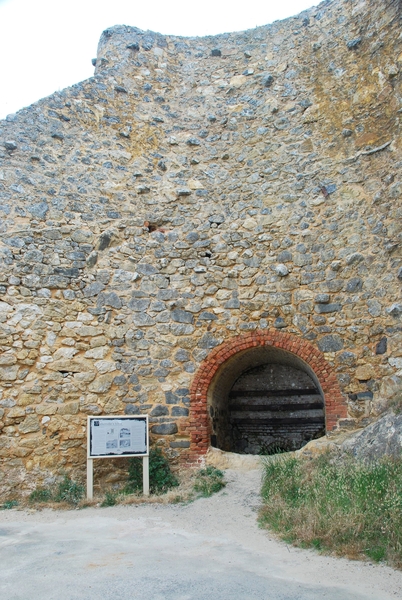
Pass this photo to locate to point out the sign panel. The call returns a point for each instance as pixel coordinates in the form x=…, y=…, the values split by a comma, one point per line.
x=117, y=436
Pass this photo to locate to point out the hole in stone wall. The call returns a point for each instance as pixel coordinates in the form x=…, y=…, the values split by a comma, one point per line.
x=151, y=226
x=264, y=401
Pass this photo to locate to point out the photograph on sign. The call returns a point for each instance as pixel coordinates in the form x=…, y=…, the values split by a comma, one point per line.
x=117, y=436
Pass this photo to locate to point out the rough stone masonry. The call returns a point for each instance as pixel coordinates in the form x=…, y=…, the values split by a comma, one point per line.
x=202, y=206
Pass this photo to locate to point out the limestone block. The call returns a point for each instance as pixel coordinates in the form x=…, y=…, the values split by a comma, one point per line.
x=74, y=366
x=69, y=408
x=7, y=359
x=16, y=411
x=101, y=384
x=9, y=373
x=46, y=409
x=105, y=366
x=364, y=372
x=30, y=424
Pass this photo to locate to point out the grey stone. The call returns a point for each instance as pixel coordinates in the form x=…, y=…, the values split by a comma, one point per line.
x=284, y=256
x=207, y=316
x=92, y=259
x=93, y=289
x=354, y=285
x=395, y=310
x=182, y=355
x=82, y=236
x=146, y=269
x=180, y=444
x=328, y=308
x=208, y=341
x=382, y=438
x=232, y=303
x=182, y=316
x=164, y=429
x=330, y=343
x=105, y=240
x=69, y=294
x=267, y=80
x=10, y=145
x=72, y=272
x=355, y=43
x=347, y=132
x=55, y=282
x=38, y=210
x=347, y=358
x=192, y=237
x=280, y=323
x=280, y=299
x=182, y=392
x=159, y=410
x=281, y=270
x=381, y=347
x=180, y=411
x=111, y=299
x=181, y=329
x=356, y=257
x=142, y=319
x=322, y=298
x=131, y=409
x=139, y=304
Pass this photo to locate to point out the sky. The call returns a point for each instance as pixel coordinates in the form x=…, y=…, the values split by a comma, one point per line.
x=47, y=45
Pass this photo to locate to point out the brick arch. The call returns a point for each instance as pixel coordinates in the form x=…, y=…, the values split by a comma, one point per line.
x=335, y=404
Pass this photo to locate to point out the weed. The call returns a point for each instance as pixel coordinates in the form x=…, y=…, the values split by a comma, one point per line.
x=342, y=506
x=69, y=491
x=208, y=481
x=9, y=504
x=161, y=479
x=396, y=403
x=110, y=499
x=40, y=495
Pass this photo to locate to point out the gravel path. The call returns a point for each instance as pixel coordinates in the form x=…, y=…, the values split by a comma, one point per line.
x=211, y=548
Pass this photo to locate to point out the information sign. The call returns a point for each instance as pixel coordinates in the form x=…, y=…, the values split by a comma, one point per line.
x=117, y=436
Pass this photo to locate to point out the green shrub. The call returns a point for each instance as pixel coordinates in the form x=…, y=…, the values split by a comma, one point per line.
x=208, y=481
x=338, y=505
x=69, y=491
x=110, y=499
x=40, y=495
x=161, y=479
x=9, y=504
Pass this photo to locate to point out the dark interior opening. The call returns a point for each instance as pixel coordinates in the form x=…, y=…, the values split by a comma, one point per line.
x=265, y=401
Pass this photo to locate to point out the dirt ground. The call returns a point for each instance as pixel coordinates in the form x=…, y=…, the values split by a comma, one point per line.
x=210, y=548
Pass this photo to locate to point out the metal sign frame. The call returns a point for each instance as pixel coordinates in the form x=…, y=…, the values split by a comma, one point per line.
x=92, y=457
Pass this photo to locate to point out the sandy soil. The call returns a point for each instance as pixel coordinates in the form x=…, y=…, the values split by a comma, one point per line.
x=209, y=548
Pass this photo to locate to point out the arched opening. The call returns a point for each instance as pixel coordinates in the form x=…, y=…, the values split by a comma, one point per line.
x=265, y=400
x=226, y=364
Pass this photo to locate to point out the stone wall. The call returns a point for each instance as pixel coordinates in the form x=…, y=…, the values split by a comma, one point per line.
x=193, y=191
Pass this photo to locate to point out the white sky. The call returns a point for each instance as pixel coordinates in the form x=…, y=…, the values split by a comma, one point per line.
x=47, y=45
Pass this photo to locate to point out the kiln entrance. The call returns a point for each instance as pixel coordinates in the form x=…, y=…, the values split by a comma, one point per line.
x=264, y=400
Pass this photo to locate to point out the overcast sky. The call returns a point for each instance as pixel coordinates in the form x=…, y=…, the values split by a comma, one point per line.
x=47, y=45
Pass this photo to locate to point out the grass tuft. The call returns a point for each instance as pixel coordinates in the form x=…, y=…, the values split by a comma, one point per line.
x=110, y=499
x=341, y=506
x=208, y=481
